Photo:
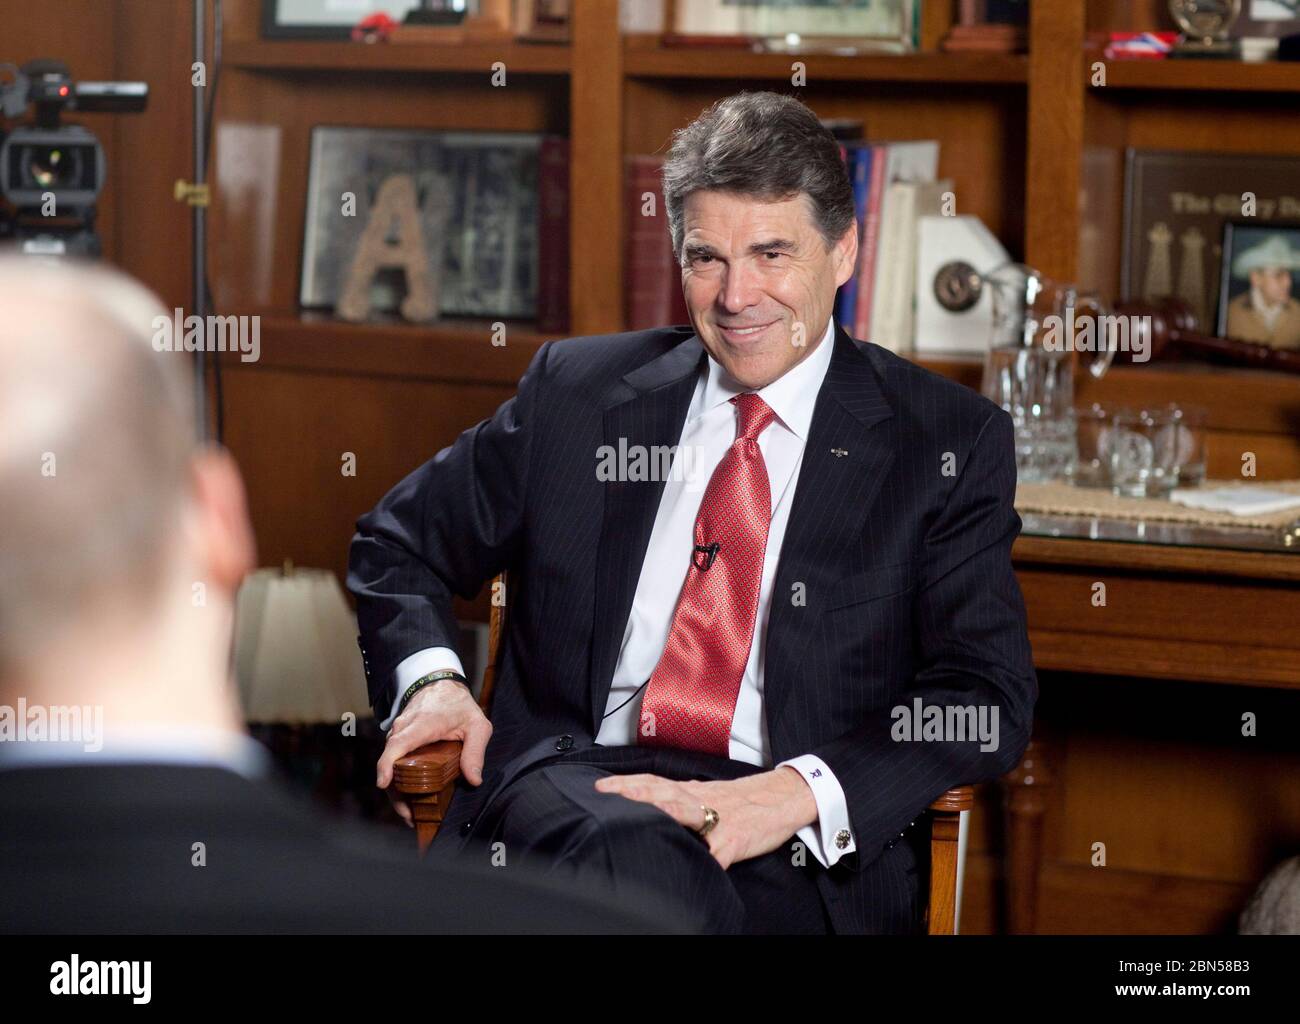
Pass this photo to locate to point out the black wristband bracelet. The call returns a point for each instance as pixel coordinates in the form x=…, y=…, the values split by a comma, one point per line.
x=429, y=680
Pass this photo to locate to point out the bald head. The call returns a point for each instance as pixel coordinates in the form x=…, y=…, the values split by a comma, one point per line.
x=96, y=440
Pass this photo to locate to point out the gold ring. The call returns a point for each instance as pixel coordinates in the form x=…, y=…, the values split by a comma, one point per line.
x=711, y=819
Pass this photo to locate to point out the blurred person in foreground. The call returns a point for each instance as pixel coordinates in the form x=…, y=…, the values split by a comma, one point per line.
x=131, y=799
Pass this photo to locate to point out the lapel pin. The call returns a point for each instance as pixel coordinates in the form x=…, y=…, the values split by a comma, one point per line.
x=839, y=453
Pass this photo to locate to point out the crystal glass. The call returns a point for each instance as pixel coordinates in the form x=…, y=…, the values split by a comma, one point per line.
x=1144, y=453
x=1189, y=444
x=1029, y=370
x=1094, y=430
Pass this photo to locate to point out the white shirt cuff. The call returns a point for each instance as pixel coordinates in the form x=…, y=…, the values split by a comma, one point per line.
x=421, y=663
x=830, y=838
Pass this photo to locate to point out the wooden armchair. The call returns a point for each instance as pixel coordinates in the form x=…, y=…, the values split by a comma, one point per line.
x=426, y=777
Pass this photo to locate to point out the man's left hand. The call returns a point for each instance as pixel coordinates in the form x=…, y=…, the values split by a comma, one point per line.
x=756, y=814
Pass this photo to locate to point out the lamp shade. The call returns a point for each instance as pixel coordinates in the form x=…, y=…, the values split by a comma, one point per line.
x=296, y=657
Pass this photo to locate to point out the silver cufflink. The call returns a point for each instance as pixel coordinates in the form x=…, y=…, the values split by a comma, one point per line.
x=839, y=453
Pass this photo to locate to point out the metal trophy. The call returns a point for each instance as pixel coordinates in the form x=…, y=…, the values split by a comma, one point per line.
x=1205, y=25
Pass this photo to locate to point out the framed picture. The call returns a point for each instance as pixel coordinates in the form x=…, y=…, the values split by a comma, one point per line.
x=325, y=19
x=875, y=25
x=1175, y=207
x=487, y=247
x=542, y=21
x=1257, y=291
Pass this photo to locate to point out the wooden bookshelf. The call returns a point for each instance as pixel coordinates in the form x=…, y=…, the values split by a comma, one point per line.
x=454, y=350
x=1201, y=76
x=1022, y=137
x=294, y=55
x=720, y=63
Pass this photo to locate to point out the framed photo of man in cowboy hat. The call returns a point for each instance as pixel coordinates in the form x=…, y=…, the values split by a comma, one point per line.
x=1257, y=292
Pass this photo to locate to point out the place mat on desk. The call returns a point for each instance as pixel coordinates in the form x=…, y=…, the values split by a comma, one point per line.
x=1062, y=499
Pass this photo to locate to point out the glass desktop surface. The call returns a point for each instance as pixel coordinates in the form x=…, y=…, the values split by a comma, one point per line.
x=1136, y=531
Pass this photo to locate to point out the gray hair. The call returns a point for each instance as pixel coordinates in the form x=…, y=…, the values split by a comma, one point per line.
x=764, y=145
x=97, y=431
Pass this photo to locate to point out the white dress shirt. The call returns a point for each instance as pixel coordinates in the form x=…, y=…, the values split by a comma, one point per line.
x=181, y=745
x=708, y=432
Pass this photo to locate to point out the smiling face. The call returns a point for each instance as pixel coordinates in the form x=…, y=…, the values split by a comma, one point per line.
x=1274, y=283
x=759, y=280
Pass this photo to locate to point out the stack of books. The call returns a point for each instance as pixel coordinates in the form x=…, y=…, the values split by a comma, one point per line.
x=894, y=184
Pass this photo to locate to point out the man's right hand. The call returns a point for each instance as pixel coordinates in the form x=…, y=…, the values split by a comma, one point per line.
x=444, y=711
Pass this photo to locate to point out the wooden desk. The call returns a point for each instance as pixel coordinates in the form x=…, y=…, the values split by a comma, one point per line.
x=1190, y=811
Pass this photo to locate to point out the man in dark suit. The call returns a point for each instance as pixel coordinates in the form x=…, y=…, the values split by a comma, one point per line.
x=131, y=800
x=762, y=609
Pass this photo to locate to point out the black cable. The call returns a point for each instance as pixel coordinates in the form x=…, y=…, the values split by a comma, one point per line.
x=626, y=702
x=209, y=121
x=216, y=78
x=218, y=390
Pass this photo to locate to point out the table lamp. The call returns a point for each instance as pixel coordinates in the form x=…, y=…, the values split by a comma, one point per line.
x=296, y=656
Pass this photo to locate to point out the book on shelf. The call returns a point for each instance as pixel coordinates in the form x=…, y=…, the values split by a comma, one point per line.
x=858, y=164
x=653, y=280
x=873, y=168
x=893, y=316
x=868, y=237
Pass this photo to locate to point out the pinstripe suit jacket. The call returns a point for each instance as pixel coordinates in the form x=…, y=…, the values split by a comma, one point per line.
x=901, y=548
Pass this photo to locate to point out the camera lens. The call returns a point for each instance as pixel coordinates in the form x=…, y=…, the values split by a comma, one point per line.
x=51, y=167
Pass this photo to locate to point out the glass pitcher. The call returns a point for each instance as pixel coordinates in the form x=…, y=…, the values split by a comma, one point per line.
x=1038, y=326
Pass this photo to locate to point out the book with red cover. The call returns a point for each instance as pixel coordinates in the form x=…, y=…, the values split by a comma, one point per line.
x=870, y=235
x=653, y=283
x=553, y=235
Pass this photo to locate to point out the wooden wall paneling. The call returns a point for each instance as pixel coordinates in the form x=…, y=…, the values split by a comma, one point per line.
x=1101, y=219
x=1259, y=122
x=937, y=17
x=1192, y=814
x=1128, y=15
x=155, y=149
x=243, y=20
x=1087, y=901
x=290, y=430
x=1277, y=456
x=596, y=185
x=1055, y=130
x=1245, y=797
x=463, y=354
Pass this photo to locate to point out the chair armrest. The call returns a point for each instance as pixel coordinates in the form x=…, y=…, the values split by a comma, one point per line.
x=424, y=778
x=941, y=909
x=956, y=800
x=428, y=770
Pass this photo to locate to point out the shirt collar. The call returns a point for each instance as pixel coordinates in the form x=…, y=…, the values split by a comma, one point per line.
x=791, y=396
x=202, y=747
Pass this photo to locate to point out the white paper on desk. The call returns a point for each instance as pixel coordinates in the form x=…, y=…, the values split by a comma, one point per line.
x=1237, y=501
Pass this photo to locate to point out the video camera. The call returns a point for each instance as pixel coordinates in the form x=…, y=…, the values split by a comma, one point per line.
x=52, y=174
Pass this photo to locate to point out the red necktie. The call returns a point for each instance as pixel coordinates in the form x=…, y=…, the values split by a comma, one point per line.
x=692, y=691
